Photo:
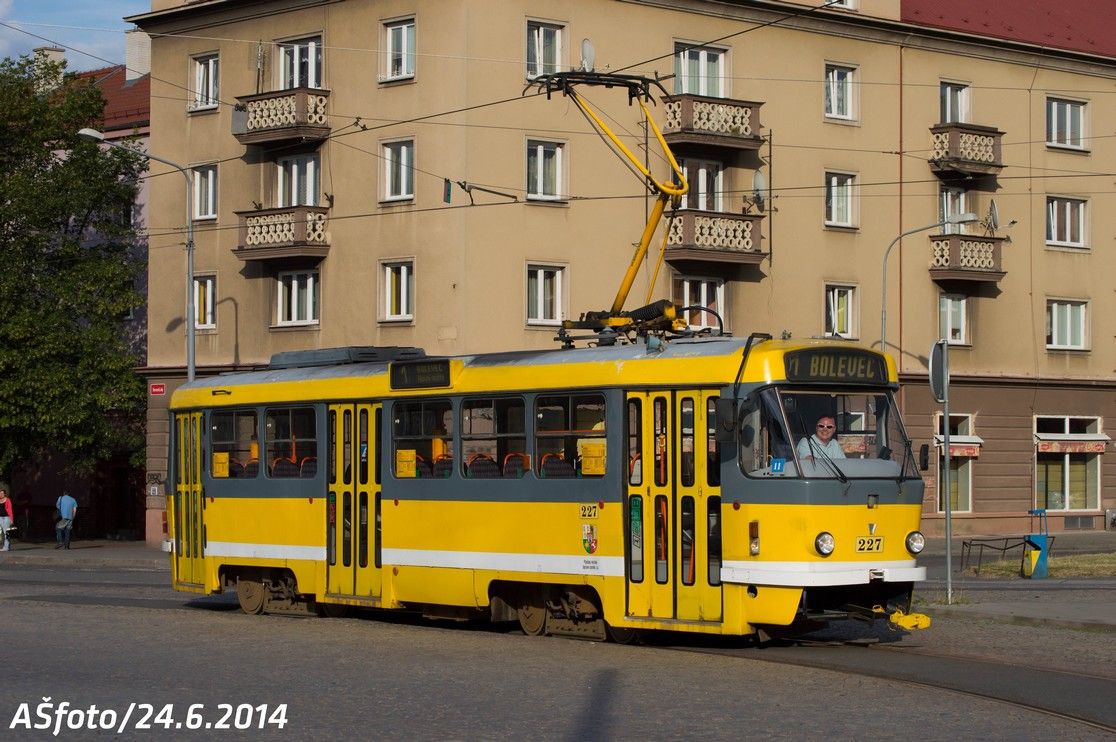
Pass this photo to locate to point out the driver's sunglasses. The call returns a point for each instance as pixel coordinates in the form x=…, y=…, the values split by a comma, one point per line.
x=825, y=427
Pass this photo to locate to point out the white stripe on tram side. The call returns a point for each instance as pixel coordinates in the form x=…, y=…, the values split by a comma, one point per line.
x=820, y=574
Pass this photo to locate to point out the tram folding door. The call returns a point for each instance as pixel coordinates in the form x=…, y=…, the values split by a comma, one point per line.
x=187, y=505
x=673, y=509
x=353, y=505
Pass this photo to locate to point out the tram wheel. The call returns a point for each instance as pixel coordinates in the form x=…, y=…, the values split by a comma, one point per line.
x=532, y=616
x=252, y=596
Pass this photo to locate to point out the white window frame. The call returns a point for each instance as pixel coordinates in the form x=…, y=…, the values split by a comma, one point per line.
x=1092, y=461
x=205, y=302
x=537, y=187
x=840, y=188
x=833, y=294
x=537, y=61
x=399, y=170
x=290, y=58
x=842, y=4
x=708, y=286
x=704, y=57
x=953, y=102
x=953, y=315
x=840, y=79
x=1065, y=123
x=964, y=465
x=1067, y=324
x=1065, y=215
x=205, y=191
x=299, y=180
x=298, y=304
x=698, y=177
x=207, y=68
x=952, y=202
x=399, y=283
x=399, y=49
x=538, y=272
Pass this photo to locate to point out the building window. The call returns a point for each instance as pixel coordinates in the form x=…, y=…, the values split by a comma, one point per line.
x=544, y=295
x=1065, y=221
x=960, y=467
x=839, y=91
x=953, y=314
x=952, y=203
x=544, y=170
x=205, y=302
x=705, y=178
x=544, y=49
x=399, y=170
x=205, y=82
x=300, y=63
x=840, y=311
x=205, y=192
x=1067, y=462
x=399, y=49
x=843, y=4
x=1065, y=325
x=399, y=290
x=299, y=298
x=839, y=199
x=1065, y=120
x=298, y=181
x=702, y=292
x=699, y=70
x=954, y=103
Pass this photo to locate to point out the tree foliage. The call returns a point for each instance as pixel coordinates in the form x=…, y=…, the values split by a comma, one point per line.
x=68, y=264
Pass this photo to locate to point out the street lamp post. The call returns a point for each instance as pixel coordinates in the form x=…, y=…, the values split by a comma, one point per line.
x=97, y=136
x=966, y=218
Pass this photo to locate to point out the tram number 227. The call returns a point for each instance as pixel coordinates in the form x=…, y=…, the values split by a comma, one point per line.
x=589, y=511
x=869, y=544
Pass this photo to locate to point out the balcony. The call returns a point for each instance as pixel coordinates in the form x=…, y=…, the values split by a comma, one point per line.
x=282, y=117
x=289, y=232
x=966, y=257
x=718, y=122
x=965, y=149
x=714, y=237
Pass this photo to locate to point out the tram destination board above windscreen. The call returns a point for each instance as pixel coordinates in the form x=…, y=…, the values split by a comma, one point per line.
x=836, y=365
x=423, y=374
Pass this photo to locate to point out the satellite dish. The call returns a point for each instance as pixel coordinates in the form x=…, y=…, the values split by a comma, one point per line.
x=992, y=221
x=759, y=189
x=588, y=55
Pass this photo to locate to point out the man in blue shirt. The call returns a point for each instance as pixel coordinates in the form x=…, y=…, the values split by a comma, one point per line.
x=67, y=508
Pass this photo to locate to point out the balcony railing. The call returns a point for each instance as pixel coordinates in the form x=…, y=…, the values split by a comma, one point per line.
x=965, y=149
x=966, y=257
x=714, y=237
x=290, y=232
x=298, y=114
x=721, y=122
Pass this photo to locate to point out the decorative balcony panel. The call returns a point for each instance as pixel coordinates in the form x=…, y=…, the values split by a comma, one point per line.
x=282, y=117
x=291, y=232
x=714, y=237
x=965, y=149
x=718, y=122
x=966, y=257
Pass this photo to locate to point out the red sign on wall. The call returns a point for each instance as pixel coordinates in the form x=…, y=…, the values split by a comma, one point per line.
x=1071, y=446
x=158, y=390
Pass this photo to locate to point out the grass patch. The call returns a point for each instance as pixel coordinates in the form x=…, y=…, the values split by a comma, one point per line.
x=1063, y=566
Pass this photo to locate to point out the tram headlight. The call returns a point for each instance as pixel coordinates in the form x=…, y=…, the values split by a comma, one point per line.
x=916, y=542
x=824, y=543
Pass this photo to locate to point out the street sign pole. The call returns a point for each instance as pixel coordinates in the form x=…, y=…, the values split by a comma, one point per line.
x=939, y=384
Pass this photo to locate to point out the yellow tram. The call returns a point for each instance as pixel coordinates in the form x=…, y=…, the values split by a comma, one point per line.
x=581, y=491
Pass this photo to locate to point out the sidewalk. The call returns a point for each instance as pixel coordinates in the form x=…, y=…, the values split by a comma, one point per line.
x=87, y=554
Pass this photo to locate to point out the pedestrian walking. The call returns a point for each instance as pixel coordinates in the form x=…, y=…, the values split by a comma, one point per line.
x=67, y=510
x=6, y=516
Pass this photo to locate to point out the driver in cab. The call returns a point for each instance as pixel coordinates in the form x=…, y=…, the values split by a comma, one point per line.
x=824, y=439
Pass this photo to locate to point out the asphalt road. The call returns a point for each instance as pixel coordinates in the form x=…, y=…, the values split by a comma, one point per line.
x=119, y=639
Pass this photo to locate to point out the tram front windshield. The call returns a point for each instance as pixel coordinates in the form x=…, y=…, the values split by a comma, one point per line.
x=850, y=434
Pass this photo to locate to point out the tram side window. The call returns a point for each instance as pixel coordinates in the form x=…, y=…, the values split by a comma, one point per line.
x=494, y=438
x=687, y=436
x=764, y=443
x=291, y=441
x=635, y=442
x=570, y=436
x=713, y=456
x=421, y=435
x=234, y=443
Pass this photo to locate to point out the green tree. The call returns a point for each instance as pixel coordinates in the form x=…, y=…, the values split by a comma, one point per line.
x=68, y=265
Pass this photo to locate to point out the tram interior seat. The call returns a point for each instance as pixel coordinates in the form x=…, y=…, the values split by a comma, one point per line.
x=422, y=468
x=236, y=469
x=252, y=468
x=309, y=467
x=443, y=467
x=481, y=466
x=555, y=467
x=284, y=468
x=516, y=465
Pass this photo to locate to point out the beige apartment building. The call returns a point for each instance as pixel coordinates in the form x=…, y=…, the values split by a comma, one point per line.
x=332, y=141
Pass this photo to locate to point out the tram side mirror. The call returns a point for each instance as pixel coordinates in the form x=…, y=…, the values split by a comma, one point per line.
x=726, y=421
x=924, y=456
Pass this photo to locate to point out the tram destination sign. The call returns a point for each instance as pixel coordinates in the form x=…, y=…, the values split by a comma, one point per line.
x=428, y=373
x=837, y=365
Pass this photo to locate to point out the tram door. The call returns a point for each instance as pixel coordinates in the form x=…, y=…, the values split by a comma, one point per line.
x=188, y=504
x=650, y=506
x=353, y=501
x=698, y=535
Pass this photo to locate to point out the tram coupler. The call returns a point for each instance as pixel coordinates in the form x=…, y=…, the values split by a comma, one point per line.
x=908, y=621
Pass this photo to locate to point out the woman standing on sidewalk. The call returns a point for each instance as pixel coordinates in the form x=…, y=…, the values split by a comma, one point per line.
x=6, y=516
